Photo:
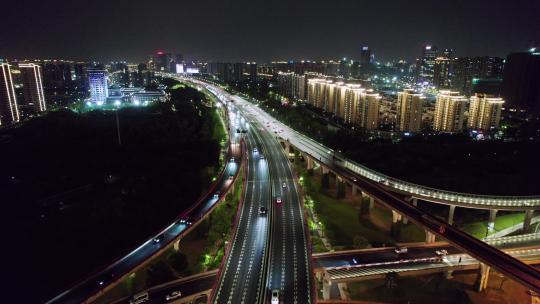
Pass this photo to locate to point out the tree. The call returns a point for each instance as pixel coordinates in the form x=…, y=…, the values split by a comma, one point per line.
x=325, y=181
x=158, y=273
x=178, y=261
x=360, y=242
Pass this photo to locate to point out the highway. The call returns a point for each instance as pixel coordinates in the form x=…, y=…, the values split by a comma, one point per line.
x=242, y=273
x=98, y=281
x=409, y=263
x=289, y=267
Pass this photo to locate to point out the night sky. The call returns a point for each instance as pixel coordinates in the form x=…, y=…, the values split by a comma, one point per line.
x=264, y=30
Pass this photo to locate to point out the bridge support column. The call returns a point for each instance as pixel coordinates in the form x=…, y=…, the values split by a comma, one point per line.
x=327, y=285
x=492, y=216
x=482, y=278
x=309, y=163
x=451, y=214
x=176, y=245
x=324, y=170
x=354, y=190
x=343, y=292
x=371, y=202
x=527, y=220
x=430, y=237
x=405, y=220
x=414, y=201
x=449, y=275
x=395, y=217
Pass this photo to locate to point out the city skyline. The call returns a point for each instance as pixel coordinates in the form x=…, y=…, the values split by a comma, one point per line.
x=256, y=31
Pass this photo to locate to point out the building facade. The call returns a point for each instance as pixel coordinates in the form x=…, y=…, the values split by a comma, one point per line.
x=449, y=112
x=99, y=90
x=9, y=109
x=521, y=82
x=485, y=112
x=409, y=110
x=31, y=76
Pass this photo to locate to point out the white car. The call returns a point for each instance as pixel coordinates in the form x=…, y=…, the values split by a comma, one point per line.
x=140, y=298
x=441, y=252
x=275, y=296
x=173, y=295
x=284, y=185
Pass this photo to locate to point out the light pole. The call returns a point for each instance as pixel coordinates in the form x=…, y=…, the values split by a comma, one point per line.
x=118, y=128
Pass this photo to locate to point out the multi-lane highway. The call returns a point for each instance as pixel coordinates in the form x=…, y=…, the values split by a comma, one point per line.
x=97, y=282
x=289, y=264
x=242, y=272
x=268, y=252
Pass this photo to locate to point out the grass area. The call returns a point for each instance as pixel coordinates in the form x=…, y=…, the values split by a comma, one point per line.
x=479, y=229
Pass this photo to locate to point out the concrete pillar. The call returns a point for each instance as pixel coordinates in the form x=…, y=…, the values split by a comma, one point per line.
x=451, y=214
x=449, y=275
x=309, y=162
x=327, y=285
x=405, y=220
x=176, y=245
x=395, y=217
x=482, y=278
x=338, y=180
x=371, y=202
x=430, y=237
x=415, y=201
x=354, y=190
x=492, y=216
x=324, y=170
x=343, y=292
x=527, y=220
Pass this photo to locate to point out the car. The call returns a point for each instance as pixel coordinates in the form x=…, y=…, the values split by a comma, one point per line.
x=354, y=261
x=262, y=211
x=232, y=159
x=231, y=177
x=158, y=239
x=284, y=185
x=216, y=195
x=354, y=179
x=278, y=200
x=140, y=298
x=173, y=295
x=255, y=150
x=441, y=252
x=185, y=221
x=261, y=157
x=275, y=296
x=400, y=250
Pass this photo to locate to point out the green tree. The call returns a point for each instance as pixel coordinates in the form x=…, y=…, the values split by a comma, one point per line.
x=178, y=261
x=360, y=242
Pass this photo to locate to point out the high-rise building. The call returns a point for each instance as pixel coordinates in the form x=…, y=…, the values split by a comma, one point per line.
x=9, y=109
x=426, y=64
x=449, y=112
x=409, y=110
x=484, y=112
x=162, y=61
x=366, y=58
x=252, y=70
x=99, y=90
x=369, y=110
x=467, y=71
x=31, y=77
x=442, y=72
x=238, y=71
x=521, y=82
x=81, y=76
